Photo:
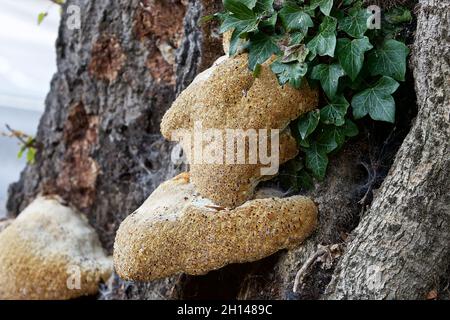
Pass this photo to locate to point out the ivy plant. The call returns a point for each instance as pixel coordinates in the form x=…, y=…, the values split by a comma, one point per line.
x=329, y=44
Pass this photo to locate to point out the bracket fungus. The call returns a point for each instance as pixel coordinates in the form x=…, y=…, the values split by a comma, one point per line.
x=178, y=231
x=228, y=97
x=51, y=252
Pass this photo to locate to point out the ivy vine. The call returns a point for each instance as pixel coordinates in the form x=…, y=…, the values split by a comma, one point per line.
x=331, y=45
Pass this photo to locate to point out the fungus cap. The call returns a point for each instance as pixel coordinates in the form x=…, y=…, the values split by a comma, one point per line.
x=228, y=96
x=177, y=231
x=51, y=252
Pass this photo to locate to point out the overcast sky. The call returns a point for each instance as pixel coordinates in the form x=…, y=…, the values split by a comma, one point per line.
x=27, y=64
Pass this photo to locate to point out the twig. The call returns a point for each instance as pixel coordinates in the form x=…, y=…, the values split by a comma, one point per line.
x=311, y=260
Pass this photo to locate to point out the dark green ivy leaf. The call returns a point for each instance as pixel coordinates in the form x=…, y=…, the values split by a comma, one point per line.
x=291, y=73
x=332, y=137
x=240, y=25
x=316, y=160
x=376, y=101
x=324, y=43
x=389, y=60
x=236, y=42
x=335, y=112
x=296, y=38
x=239, y=7
x=264, y=6
x=308, y=123
x=355, y=24
x=328, y=75
x=295, y=18
x=261, y=48
x=325, y=5
x=351, y=55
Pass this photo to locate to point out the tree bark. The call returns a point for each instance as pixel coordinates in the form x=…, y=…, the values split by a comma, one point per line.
x=100, y=144
x=401, y=248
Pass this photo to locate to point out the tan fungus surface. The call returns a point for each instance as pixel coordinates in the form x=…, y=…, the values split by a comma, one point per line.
x=227, y=96
x=177, y=231
x=45, y=249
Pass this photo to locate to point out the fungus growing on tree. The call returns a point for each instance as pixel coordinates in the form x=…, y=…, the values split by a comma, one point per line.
x=178, y=231
x=228, y=96
x=51, y=252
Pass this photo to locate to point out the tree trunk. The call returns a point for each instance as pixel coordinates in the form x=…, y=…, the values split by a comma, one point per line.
x=100, y=143
x=101, y=150
x=401, y=248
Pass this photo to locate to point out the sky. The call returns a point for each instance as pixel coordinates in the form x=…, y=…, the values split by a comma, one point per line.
x=27, y=64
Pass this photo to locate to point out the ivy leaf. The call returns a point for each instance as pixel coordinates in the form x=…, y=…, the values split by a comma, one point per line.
x=240, y=25
x=325, y=6
x=376, y=101
x=296, y=38
x=261, y=48
x=308, y=123
x=355, y=24
x=264, y=6
x=316, y=160
x=350, y=129
x=291, y=73
x=41, y=17
x=236, y=42
x=294, y=18
x=295, y=53
x=332, y=137
x=328, y=140
x=398, y=15
x=241, y=8
x=324, y=43
x=351, y=55
x=335, y=112
x=269, y=22
x=389, y=60
x=328, y=75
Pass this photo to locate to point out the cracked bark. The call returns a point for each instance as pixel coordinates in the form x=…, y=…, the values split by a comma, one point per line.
x=401, y=248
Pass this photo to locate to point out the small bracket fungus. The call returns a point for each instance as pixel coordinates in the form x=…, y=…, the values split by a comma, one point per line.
x=228, y=97
x=176, y=231
x=50, y=252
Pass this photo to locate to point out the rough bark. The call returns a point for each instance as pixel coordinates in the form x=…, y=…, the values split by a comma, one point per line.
x=401, y=248
x=100, y=145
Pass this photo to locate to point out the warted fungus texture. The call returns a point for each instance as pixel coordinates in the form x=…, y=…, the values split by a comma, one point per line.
x=228, y=96
x=177, y=231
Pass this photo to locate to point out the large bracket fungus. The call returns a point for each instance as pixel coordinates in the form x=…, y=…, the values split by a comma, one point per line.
x=176, y=231
x=228, y=96
x=51, y=252
x=206, y=219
